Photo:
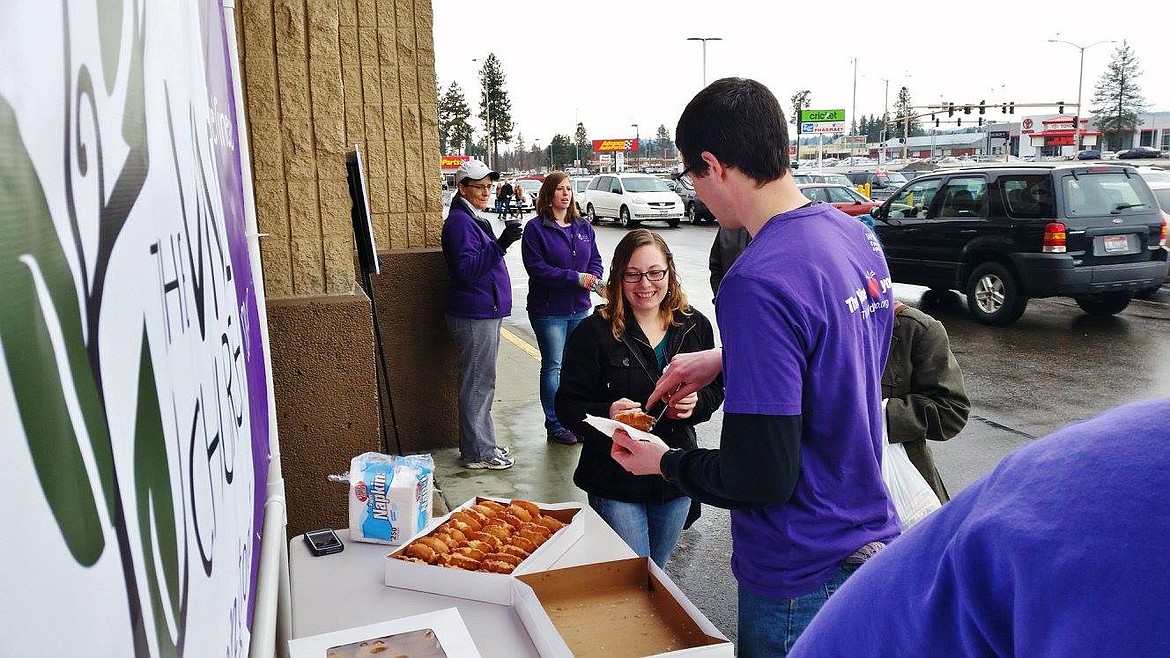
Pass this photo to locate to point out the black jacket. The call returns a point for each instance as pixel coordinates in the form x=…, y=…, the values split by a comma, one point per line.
x=597, y=370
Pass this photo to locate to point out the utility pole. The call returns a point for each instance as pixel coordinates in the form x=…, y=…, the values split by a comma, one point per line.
x=487, y=99
x=853, y=111
x=1080, y=84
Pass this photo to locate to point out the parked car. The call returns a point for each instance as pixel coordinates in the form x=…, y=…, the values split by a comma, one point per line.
x=1004, y=234
x=1154, y=175
x=531, y=189
x=630, y=199
x=843, y=197
x=881, y=182
x=1139, y=153
x=579, y=186
x=1161, y=189
x=694, y=210
x=816, y=176
x=1089, y=154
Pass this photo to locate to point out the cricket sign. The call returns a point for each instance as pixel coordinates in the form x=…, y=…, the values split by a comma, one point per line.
x=817, y=116
x=133, y=394
x=826, y=122
x=610, y=145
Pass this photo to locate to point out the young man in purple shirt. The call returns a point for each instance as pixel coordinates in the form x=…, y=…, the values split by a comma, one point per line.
x=805, y=316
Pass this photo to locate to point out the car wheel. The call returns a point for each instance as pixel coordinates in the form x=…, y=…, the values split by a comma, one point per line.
x=690, y=214
x=624, y=218
x=1106, y=303
x=591, y=213
x=994, y=296
x=672, y=223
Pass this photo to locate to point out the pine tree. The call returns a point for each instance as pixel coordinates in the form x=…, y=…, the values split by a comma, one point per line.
x=1117, y=99
x=663, y=143
x=800, y=101
x=584, y=146
x=561, y=150
x=454, y=131
x=904, y=107
x=494, y=104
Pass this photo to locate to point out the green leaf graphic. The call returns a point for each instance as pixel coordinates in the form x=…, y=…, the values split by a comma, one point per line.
x=31, y=356
x=109, y=15
x=156, y=509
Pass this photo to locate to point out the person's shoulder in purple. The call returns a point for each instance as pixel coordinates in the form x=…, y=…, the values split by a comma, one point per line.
x=1060, y=551
x=809, y=338
x=559, y=250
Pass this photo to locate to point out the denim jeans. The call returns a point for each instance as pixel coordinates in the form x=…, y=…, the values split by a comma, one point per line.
x=650, y=530
x=769, y=627
x=552, y=331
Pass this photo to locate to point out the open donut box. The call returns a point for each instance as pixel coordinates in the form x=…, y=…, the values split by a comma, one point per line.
x=480, y=585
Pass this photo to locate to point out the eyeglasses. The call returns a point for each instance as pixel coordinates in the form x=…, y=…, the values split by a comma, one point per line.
x=635, y=277
x=686, y=173
x=481, y=188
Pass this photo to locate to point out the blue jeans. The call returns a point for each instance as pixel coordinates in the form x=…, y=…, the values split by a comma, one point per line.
x=650, y=530
x=769, y=627
x=552, y=331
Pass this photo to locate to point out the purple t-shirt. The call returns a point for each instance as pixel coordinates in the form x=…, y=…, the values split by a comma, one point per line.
x=1060, y=551
x=806, y=314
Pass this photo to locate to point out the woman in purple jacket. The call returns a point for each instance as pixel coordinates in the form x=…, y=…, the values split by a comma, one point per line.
x=560, y=255
x=479, y=299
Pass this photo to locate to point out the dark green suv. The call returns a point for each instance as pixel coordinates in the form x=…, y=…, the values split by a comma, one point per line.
x=1004, y=234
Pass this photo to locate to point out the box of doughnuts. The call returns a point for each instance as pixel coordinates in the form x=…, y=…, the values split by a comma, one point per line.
x=474, y=551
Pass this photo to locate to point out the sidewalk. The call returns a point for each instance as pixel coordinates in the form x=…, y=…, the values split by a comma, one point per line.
x=543, y=470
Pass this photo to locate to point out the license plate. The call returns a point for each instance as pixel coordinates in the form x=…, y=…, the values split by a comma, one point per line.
x=1116, y=243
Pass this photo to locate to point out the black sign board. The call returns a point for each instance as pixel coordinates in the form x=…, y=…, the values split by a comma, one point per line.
x=999, y=134
x=363, y=227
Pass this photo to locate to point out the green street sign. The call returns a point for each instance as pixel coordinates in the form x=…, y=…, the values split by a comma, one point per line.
x=821, y=115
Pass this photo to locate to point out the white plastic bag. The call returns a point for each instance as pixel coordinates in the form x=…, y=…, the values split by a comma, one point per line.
x=389, y=496
x=913, y=498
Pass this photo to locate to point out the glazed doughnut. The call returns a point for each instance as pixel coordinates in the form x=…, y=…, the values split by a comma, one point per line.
x=481, y=546
x=460, y=561
x=456, y=534
x=510, y=519
x=533, y=536
x=523, y=543
x=532, y=508
x=492, y=540
x=501, y=531
x=471, y=552
x=477, y=515
x=536, y=527
x=513, y=549
x=550, y=522
x=492, y=505
x=484, y=509
x=496, y=566
x=446, y=538
x=408, y=558
x=513, y=560
x=421, y=551
x=463, y=517
x=436, y=544
x=519, y=512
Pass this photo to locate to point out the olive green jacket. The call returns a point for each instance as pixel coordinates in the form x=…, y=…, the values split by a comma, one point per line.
x=924, y=386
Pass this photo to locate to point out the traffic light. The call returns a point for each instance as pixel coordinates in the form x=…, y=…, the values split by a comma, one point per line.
x=1003, y=109
x=966, y=109
x=950, y=109
x=981, y=121
x=936, y=123
x=1060, y=107
x=1012, y=107
x=959, y=121
x=982, y=108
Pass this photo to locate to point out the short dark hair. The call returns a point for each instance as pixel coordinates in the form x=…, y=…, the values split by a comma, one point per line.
x=740, y=122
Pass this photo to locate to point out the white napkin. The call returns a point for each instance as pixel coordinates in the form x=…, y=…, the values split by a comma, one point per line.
x=607, y=426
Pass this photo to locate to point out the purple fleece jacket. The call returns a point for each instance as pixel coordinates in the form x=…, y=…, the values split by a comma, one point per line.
x=554, y=256
x=480, y=286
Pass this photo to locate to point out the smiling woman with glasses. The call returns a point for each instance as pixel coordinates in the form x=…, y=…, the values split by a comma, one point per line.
x=611, y=364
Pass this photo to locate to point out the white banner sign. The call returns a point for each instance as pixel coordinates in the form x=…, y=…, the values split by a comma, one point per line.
x=133, y=416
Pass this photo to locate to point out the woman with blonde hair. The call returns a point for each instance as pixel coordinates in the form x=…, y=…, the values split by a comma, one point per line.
x=612, y=361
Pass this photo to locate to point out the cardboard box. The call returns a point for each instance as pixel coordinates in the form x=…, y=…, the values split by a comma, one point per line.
x=396, y=637
x=619, y=608
x=479, y=585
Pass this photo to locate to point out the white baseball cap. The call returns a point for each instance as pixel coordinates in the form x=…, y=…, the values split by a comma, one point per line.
x=474, y=170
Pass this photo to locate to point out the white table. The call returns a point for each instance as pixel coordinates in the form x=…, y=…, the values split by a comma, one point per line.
x=346, y=589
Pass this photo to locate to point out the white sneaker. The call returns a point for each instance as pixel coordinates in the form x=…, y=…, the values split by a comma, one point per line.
x=496, y=463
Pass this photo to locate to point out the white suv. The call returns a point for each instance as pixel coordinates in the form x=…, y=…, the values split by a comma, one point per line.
x=631, y=199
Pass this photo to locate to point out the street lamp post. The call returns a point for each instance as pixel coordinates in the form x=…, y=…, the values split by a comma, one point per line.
x=1080, y=84
x=704, y=40
x=487, y=101
x=536, y=145
x=637, y=138
x=853, y=111
x=882, y=155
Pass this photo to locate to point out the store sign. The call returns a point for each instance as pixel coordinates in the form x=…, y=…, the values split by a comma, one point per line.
x=453, y=162
x=1027, y=125
x=816, y=116
x=1059, y=140
x=609, y=145
x=831, y=128
x=133, y=394
x=999, y=134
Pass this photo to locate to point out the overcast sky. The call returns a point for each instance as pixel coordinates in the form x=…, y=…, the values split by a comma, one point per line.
x=611, y=63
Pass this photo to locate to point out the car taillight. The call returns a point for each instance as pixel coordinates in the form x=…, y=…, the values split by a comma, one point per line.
x=1165, y=223
x=1054, y=238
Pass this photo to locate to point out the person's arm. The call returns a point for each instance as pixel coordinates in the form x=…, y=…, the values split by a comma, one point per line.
x=756, y=465
x=687, y=373
x=595, y=266
x=937, y=406
x=582, y=387
x=538, y=267
x=710, y=396
x=471, y=258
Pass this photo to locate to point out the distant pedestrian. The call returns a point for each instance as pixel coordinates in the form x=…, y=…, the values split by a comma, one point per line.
x=479, y=298
x=504, y=200
x=563, y=264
